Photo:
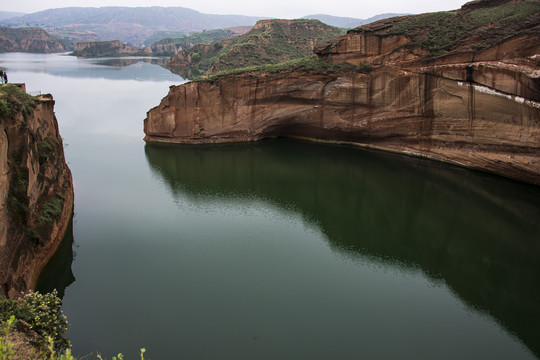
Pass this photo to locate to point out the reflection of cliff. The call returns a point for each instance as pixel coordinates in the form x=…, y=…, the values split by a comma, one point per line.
x=36, y=189
x=477, y=233
x=57, y=273
x=123, y=61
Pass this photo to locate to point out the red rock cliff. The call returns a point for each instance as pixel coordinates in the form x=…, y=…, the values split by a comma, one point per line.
x=477, y=106
x=36, y=189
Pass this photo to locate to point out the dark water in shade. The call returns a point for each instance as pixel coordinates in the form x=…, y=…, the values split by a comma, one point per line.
x=280, y=249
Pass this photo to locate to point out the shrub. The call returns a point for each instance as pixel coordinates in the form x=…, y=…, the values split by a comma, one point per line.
x=44, y=315
x=52, y=209
x=46, y=148
x=4, y=108
x=47, y=317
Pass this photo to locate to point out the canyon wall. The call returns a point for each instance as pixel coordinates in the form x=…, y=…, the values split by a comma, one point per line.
x=432, y=111
x=474, y=102
x=36, y=189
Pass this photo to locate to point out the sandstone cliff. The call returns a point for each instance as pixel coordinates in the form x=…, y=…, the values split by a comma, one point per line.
x=469, y=97
x=36, y=190
x=33, y=40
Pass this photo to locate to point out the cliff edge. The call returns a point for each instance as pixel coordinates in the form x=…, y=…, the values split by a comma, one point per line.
x=461, y=87
x=36, y=189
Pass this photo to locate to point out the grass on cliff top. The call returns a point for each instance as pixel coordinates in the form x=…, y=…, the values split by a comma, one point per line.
x=443, y=31
x=13, y=99
x=306, y=64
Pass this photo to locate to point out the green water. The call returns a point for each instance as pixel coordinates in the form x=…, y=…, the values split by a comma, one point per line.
x=280, y=249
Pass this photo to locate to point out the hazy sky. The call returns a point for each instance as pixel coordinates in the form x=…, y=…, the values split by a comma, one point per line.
x=271, y=8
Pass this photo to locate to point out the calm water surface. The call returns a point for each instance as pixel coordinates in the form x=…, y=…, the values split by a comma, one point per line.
x=281, y=249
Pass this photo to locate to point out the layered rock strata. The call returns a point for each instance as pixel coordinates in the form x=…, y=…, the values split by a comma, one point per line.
x=476, y=107
x=36, y=189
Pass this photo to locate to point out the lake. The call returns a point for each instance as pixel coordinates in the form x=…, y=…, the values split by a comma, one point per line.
x=280, y=249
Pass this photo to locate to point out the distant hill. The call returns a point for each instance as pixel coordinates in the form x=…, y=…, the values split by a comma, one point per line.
x=347, y=22
x=268, y=42
x=131, y=25
x=202, y=37
x=164, y=47
x=34, y=40
x=8, y=15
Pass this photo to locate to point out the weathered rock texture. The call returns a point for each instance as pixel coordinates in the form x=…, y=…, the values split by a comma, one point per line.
x=36, y=190
x=33, y=40
x=474, y=106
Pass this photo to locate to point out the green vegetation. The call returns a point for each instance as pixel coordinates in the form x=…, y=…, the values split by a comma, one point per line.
x=46, y=149
x=271, y=42
x=6, y=348
x=17, y=201
x=51, y=210
x=4, y=108
x=43, y=313
x=13, y=99
x=159, y=36
x=187, y=41
x=444, y=31
x=307, y=64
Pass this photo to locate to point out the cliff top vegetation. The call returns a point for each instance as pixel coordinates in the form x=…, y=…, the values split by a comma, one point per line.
x=477, y=25
x=306, y=64
x=13, y=99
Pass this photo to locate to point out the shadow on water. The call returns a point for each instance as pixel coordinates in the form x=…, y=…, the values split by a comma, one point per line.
x=475, y=232
x=57, y=273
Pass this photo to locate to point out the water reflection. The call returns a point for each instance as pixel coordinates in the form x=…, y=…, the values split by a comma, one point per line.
x=64, y=65
x=57, y=274
x=126, y=61
x=477, y=233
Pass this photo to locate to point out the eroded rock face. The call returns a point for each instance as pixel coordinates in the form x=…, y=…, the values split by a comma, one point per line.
x=433, y=112
x=36, y=194
x=477, y=107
